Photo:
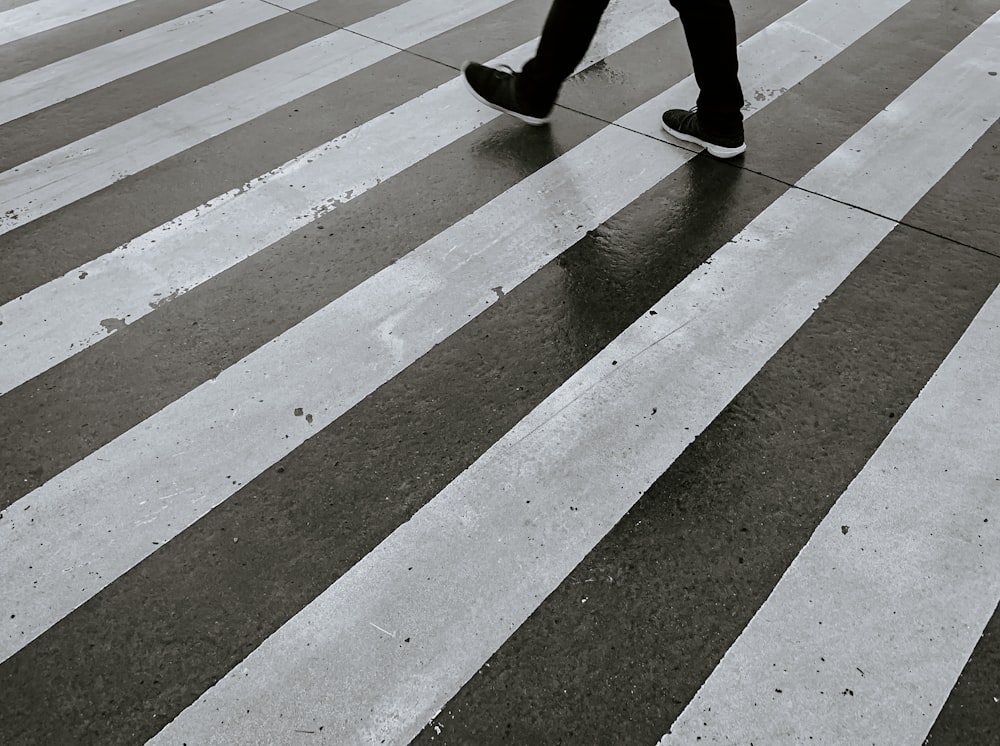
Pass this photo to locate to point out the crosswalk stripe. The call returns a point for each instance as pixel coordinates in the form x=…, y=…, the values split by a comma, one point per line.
x=453, y=605
x=62, y=176
x=869, y=628
x=43, y=15
x=69, y=314
x=593, y=181
x=58, y=81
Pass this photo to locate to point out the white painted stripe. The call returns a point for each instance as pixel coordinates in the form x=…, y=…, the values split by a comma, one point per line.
x=43, y=15
x=8, y=4
x=88, y=70
x=67, y=315
x=871, y=625
x=62, y=176
x=394, y=638
x=100, y=517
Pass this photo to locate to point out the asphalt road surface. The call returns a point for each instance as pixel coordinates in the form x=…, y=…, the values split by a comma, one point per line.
x=336, y=408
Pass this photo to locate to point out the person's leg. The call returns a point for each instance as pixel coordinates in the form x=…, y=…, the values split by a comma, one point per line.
x=530, y=94
x=569, y=29
x=717, y=124
x=710, y=30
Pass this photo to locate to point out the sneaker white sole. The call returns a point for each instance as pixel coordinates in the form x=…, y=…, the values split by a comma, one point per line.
x=717, y=150
x=533, y=121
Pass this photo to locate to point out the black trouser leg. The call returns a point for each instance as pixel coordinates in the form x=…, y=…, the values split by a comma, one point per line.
x=710, y=30
x=569, y=29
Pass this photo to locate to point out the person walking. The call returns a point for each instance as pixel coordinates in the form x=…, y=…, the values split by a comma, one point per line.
x=716, y=123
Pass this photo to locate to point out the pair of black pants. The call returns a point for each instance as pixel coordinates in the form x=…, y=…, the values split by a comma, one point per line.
x=710, y=30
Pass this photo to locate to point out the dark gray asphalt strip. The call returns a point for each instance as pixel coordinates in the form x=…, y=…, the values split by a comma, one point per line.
x=76, y=407
x=97, y=224
x=34, y=51
x=971, y=716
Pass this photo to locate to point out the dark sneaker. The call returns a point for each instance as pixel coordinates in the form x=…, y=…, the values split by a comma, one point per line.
x=685, y=125
x=497, y=88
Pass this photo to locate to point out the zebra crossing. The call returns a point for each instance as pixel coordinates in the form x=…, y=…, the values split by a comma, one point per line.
x=377, y=609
